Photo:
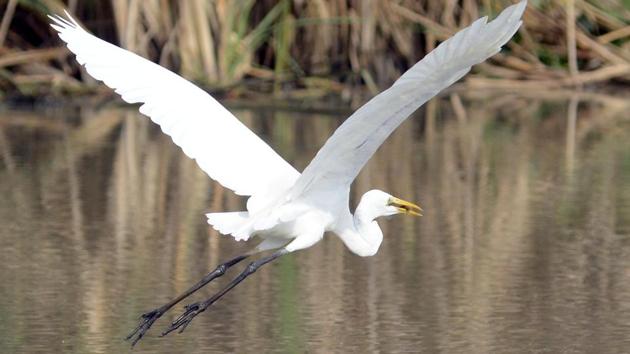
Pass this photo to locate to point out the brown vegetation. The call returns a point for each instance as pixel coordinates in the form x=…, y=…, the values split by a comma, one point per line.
x=311, y=48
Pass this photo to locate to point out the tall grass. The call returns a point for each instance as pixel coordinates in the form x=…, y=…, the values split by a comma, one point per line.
x=309, y=47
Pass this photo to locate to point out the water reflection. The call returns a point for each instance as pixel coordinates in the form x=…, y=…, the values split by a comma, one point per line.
x=524, y=246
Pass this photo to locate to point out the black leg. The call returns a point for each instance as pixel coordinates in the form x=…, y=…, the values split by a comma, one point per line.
x=147, y=319
x=193, y=310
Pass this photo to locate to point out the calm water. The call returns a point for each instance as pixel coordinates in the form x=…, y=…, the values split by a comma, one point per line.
x=524, y=246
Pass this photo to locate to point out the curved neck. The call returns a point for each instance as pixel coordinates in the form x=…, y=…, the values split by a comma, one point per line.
x=369, y=231
x=364, y=236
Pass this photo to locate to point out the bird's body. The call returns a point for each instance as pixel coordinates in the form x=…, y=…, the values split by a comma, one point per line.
x=299, y=225
x=287, y=209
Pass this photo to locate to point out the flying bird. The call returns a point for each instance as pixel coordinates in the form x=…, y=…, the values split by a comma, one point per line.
x=286, y=209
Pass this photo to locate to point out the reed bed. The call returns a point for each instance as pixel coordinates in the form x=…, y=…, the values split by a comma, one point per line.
x=313, y=48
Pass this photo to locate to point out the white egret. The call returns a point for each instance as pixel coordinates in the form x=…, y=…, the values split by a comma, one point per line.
x=287, y=210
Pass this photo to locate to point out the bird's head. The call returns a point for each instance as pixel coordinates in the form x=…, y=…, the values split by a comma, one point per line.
x=378, y=203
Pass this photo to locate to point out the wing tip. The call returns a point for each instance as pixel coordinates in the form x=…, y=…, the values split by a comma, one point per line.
x=520, y=7
x=515, y=12
x=513, y=22
x=61, y=23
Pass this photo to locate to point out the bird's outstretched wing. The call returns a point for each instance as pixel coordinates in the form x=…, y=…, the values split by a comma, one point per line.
x=224, y=148
x=345, y=153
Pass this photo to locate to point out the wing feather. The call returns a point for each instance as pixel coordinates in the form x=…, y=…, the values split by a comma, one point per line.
x=206, y=131
x=345, y=153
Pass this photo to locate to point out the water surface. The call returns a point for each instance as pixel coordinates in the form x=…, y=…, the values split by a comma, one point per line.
x=524, y=246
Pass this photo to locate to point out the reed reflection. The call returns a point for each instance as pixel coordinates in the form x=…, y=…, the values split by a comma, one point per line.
x=523, y=243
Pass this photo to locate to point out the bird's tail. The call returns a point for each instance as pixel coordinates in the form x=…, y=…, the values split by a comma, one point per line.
x=229, y=223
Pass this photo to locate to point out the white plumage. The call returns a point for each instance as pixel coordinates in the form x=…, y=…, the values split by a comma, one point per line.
x=223, y=147
x=288, y=210
x=284, y=204
x=338, y=163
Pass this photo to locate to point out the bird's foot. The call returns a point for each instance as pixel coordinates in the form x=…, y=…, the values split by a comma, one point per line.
x=185, y=318
x=146, y=321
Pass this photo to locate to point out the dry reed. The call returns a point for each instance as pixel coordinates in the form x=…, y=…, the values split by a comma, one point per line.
x=308, y=48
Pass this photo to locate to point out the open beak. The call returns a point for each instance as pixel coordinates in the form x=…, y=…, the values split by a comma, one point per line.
x=405, y=207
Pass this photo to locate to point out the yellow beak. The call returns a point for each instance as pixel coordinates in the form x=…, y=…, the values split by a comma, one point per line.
x=405, y=207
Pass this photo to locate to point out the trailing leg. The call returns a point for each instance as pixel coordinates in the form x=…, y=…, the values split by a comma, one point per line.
x=193, y=310
x=147, y=319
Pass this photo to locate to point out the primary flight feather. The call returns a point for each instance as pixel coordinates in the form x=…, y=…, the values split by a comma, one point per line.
x=289, y=211
x=196, y=122
x=339, y=161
